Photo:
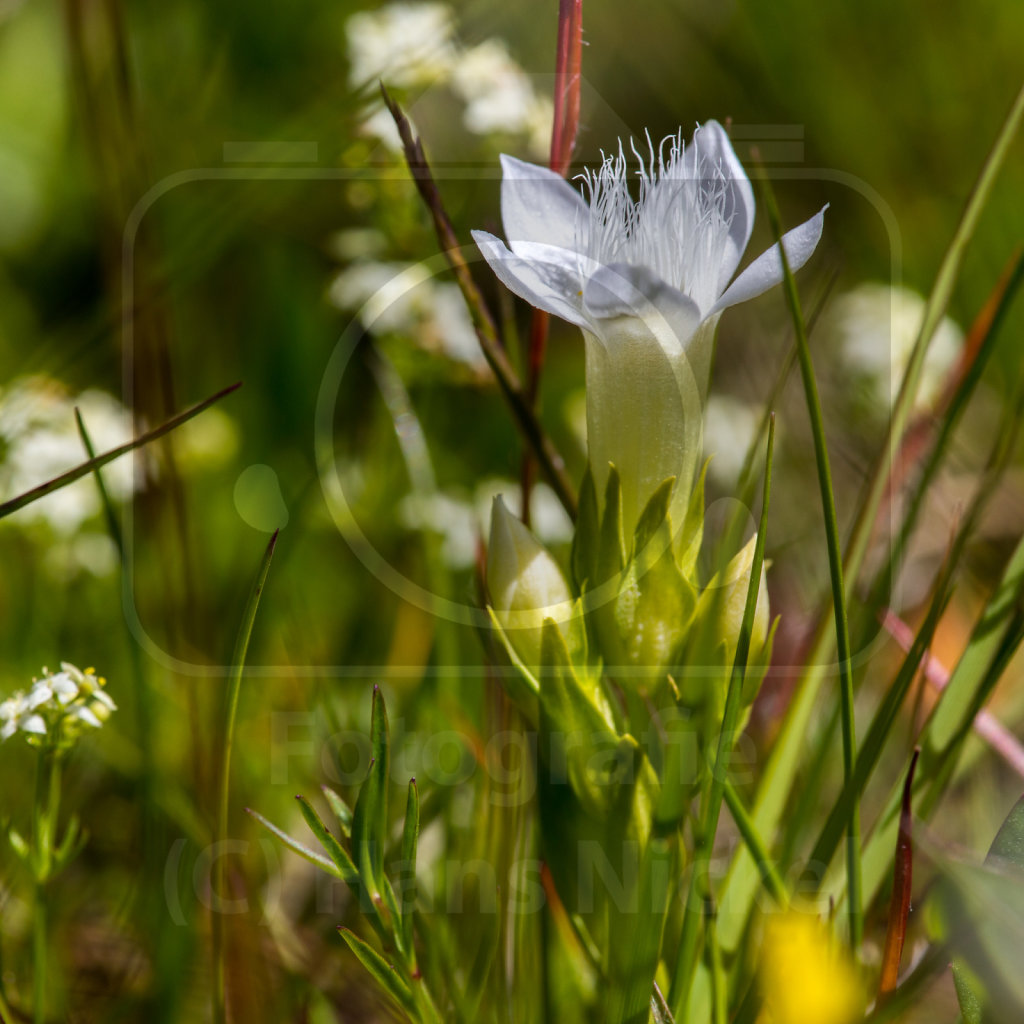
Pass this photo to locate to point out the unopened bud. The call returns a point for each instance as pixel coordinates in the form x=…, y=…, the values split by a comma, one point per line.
x=526, y=586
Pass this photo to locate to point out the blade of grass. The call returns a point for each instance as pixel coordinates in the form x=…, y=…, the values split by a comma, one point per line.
x=227, y=741
x=773, y=883
x=986, y=725
x=699, y=889
x=835, y=568
x=776, y=782
x=981, y=344
x=19, y=502
x=888, y=710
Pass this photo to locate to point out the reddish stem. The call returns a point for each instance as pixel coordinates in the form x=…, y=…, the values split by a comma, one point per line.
x=565, y=125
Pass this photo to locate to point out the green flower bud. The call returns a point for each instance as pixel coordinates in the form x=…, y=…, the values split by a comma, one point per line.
x=525, y=584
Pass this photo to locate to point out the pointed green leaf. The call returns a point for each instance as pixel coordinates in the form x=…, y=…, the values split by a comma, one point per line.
x=583, y=560
x=691, y=536
x=576, y=733
x=384, y=973
x=338, y=855
x=341, y=810
x=522, y=686
x=322, y=862
x=370, y=818
x=407, y=883
x=652, y=519
x=611, y=552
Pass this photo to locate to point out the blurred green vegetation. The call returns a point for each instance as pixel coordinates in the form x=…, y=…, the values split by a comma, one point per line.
x=227, y=278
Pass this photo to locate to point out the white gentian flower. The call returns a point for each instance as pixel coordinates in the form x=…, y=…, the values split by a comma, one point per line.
x=646, y=280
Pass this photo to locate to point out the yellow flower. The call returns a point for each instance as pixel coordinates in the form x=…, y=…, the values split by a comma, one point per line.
x=806, y=978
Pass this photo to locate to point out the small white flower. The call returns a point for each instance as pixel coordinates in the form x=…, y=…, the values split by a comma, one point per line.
x=646, y=280
x=63, y=687
x=34, y=724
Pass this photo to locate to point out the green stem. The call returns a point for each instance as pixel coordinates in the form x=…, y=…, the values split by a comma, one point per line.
x=39, y=954
x=44, y=823
x=835, y=564
x=234, y=689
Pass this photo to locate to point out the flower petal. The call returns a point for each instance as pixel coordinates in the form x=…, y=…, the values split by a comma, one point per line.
x=766, y=271
x=711, y=148
x=623, y=290
x=33, y=724
x=538, y=205
x=544, y=275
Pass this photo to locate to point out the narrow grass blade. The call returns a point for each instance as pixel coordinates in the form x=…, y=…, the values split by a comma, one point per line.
x=903, y=875
x=780, y=772
x=14, y=504
x=773, y=882
x=835, y=568
x=227, y=741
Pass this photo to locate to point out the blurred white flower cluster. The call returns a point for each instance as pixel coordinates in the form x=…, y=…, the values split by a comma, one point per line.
x=877, y=325
x=39, y=440
x=411, y=45
x=393, y=297
x=461, y=520
x=58, y=707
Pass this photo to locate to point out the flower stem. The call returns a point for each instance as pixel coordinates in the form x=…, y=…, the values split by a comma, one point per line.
x=44, y=823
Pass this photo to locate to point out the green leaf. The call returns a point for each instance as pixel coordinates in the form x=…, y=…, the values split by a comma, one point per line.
x=611, y=552
x=636, y=926
x=574, y=732
x=585, y=539
x=691, y=536
x=522, y=686
x=410, y=838
x=1009, y=841
x=341, y=810
x=322, y=862
x=370, y=818
x=384, y=973
x=653, y=518
x=346, y=870
x=968, y=987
